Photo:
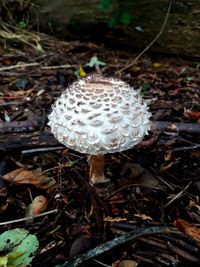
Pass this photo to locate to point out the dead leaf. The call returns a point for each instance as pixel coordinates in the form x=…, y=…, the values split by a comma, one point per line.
x=34, y=177
x=188, y=228
x=128, y=263
x=144, y=217
x=7, y=61
x=111, y=219
x=195, y=153
x=168, y=155
x=84, y=229
x=135, y=173
x=192, y=204
x=165, y=166
x=156, y=65
x=80, y=245
x=195, y=115
x=38, y=206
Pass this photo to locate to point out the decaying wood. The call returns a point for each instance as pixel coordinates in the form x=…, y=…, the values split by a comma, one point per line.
x=176, y=127
x=19, y=126
x=21, y=141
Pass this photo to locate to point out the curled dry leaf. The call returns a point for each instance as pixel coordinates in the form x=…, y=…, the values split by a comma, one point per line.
x=34, y=177
x=195, y=115
x=38, y=206
x=188, y=228
x=80, y=245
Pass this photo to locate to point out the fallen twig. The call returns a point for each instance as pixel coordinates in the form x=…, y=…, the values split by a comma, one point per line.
x=43, y=149
x=177, y=195
x=21, y=65
x=28, y=218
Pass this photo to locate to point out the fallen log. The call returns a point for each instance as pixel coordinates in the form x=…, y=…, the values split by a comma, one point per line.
x=193, y=128
x=21, y=141
x=26, y=138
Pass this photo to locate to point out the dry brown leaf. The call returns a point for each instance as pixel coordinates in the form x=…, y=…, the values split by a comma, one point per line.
x=193, y=204
x=80, y=245
x=128, y=263
x=193, y=115
x=111, y=219
x=168, y=155
x=188, y=228
x=38, y=206
x=144, y=217
x=34, y=177
x=195, y=153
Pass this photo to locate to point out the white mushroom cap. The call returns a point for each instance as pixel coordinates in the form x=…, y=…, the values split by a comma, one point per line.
x=98, y=115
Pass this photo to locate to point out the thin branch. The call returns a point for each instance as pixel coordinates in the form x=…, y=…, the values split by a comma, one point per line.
x=178, y=195
x=29, y=218
x=42, y=149
x=17, y=66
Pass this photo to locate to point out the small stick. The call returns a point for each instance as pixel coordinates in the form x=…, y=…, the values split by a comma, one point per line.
x=178, y=195
x=29, y=218
x=43, y=149
x=24, y=65
x=58, y=67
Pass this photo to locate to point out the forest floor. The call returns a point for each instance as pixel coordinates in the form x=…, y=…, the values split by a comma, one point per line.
x=152, y=215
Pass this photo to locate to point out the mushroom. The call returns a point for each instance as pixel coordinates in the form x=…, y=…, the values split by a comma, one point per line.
x=97, y=115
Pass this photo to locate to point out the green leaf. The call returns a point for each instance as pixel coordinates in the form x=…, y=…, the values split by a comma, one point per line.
x=145, y=88
x=95, y=62
x=22, y=25
x=112, y=22
x=104, y=5
x=3, y=261
x=19, y=245
x=10, y=238
x=125, y=18
x=190, y=78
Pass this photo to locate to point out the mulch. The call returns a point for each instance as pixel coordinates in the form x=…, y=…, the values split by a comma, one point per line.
x=150, y=213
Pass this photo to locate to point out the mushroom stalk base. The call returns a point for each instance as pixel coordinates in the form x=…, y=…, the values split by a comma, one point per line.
x=96, y=175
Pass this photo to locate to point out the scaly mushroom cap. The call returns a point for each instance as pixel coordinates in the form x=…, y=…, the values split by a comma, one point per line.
x=97, y=115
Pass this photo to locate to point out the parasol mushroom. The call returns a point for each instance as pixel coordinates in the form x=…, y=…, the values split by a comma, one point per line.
x=97, y=115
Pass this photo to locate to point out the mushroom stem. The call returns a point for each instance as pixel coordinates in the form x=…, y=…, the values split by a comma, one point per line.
x=96, y=175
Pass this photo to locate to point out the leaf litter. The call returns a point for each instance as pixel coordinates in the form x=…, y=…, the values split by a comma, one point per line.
x=149, y=215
